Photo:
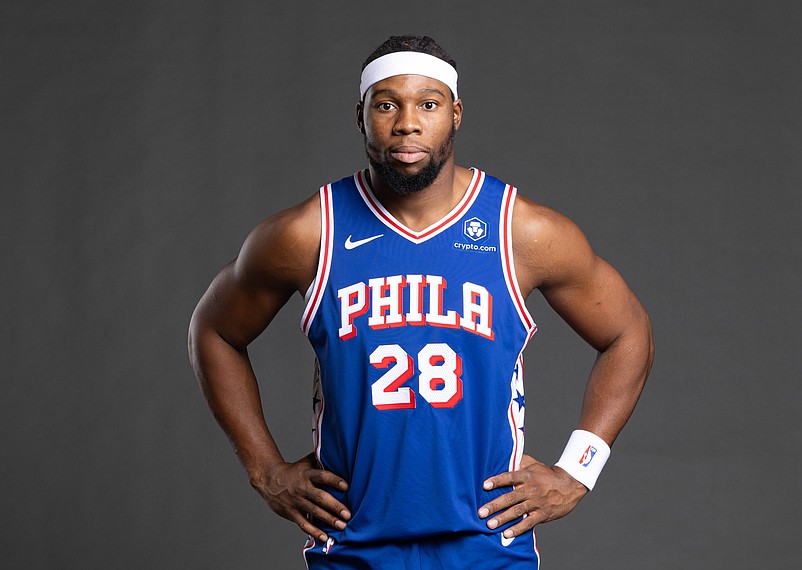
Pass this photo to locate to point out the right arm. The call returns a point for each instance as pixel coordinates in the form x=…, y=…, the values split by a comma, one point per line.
x=278, y=258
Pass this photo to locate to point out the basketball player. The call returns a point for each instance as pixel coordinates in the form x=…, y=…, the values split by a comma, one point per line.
x=415, y=272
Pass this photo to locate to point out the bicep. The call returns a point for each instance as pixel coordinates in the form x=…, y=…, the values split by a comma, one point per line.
x=236, y=307
x=277, y=259
x=595, y=301
x=553, y=255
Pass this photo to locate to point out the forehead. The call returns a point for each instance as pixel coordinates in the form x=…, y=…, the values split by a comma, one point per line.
x=408, y=85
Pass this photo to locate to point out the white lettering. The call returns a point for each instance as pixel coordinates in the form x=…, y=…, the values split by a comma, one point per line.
x=353, y=302
x=386, y=301
x=477, y=310
x=416, y=283
x=435, y=314
x=388, y=296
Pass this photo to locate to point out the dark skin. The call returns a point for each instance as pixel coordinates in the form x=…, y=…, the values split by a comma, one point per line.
x=405, y=120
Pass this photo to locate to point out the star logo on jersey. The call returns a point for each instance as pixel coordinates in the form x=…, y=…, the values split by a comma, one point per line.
x=474, y=229
x=519, y=399
x=355, y=244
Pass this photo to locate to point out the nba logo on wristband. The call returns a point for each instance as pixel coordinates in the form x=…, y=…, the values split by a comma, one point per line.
x=587, y=457
x=592, y=452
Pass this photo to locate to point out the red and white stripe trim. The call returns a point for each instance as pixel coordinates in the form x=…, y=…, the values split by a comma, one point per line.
x=441, y=225
x=508, y=263
x=315, y=293
x=514, y=416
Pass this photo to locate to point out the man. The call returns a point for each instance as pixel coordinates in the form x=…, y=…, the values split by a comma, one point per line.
x=415, y=273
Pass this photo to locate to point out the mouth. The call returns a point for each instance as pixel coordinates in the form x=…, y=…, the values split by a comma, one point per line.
x=408, y=154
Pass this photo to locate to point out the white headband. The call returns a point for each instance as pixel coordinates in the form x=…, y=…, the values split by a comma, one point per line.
x=408, y=63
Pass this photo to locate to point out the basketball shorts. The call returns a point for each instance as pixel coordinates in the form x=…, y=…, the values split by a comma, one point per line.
x=449, y=552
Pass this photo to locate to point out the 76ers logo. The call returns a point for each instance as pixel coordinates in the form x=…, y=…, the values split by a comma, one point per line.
x=474, y=229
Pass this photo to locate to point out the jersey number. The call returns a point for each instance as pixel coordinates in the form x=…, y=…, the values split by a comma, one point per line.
x=439, y=379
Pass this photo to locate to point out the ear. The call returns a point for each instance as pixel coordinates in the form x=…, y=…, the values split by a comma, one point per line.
x=360, y=117
x=457, y=114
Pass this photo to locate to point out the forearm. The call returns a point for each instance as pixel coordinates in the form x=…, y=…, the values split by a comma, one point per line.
x=229, y=384
x=616, y=381
x=296, y=491
x=548, y=493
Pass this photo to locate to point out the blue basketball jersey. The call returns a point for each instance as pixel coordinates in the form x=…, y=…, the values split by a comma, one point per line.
x=419, y=336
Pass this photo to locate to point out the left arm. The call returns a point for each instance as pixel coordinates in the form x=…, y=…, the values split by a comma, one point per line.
x=552, y=255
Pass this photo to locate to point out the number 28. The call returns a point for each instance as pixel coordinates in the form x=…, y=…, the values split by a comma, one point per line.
x=439, y=379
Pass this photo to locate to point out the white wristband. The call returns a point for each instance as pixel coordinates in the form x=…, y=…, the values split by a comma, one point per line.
x=584, y=457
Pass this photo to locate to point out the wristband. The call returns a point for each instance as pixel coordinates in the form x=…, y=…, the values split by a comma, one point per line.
x=584, y=457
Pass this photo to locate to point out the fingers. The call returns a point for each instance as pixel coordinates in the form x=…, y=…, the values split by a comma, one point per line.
x=503, y=480
x=513, y=504
x=312, y=502
x=327, y=510
x=509, y=479
x=305, y=512
x=310, y=513
x=539, y=494
x=297, y=493
x=327, y=501
x=305, y=524
x=512, y=499
x=327, y=478
x=527, y=524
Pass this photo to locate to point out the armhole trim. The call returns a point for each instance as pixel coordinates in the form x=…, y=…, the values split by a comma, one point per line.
x=508, y=263
x=315, y=292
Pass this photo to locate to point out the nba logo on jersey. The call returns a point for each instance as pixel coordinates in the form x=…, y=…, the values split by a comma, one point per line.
x=474, y=229
x=587, y=457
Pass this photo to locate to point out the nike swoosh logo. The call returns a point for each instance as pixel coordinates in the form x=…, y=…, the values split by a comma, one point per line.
x=354, y=244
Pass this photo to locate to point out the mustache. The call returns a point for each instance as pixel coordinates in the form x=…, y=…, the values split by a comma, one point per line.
x=386, y=151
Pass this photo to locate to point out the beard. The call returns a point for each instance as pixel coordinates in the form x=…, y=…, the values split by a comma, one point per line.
x=405, y=184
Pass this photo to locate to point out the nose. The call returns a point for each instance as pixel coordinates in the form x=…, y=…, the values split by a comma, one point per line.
x=407, y=121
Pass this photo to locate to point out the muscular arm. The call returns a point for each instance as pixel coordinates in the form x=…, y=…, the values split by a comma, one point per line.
x=278, y=258
x=590, y=295
x=552, y=255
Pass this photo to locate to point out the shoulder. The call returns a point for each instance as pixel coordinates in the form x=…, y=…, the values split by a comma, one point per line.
x=535, y=221
x=282, y=251
x=548, y=247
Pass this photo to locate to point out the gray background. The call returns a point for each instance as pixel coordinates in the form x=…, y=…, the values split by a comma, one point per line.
x=141, y=141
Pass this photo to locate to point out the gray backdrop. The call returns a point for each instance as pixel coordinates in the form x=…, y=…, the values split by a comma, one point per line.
x=141, y=141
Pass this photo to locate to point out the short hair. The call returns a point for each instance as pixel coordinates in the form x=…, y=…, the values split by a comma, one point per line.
x=421, y=44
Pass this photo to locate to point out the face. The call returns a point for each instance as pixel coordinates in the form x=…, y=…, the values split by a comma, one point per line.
x=409, y=123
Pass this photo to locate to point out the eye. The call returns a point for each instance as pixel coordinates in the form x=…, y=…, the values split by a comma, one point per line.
x=429, y=105
x=385, y=106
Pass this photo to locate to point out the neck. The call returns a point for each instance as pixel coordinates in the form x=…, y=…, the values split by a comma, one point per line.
x=423, y=208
